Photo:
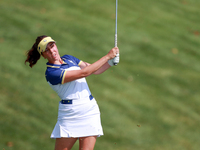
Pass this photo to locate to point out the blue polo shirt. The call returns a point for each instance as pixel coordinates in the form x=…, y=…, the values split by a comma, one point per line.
x=55, y=74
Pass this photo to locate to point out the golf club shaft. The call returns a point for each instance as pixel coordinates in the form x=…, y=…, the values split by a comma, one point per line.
x=116, y=23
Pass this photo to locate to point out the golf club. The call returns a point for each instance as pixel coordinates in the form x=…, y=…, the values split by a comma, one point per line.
x=117, y=56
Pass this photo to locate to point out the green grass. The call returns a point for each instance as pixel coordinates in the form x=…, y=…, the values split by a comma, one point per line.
x=155, y=85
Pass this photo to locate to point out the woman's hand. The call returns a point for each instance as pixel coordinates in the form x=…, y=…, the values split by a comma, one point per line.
x=113, y=52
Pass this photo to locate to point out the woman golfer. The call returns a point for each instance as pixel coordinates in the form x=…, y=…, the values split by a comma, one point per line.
x=78, y=113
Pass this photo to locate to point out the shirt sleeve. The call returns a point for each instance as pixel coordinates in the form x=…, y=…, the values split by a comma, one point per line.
x=80, y=63
x=74, y=59
x=56, y=76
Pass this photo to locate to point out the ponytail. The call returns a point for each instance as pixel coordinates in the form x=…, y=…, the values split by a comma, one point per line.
x=33, y=55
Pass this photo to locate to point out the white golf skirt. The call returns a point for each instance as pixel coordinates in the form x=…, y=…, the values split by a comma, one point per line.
x=80, y=119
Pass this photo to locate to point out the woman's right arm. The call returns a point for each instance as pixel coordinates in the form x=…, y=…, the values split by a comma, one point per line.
x=90, y=69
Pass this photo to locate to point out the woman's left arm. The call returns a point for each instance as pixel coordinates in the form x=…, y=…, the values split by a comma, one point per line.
x=99, y=71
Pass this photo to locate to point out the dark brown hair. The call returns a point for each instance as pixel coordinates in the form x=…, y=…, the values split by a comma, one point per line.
x=33, y=55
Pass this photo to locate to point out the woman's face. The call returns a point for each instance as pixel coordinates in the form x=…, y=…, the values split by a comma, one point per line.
x=51, y=53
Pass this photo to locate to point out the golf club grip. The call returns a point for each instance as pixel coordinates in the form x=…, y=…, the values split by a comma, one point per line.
x=116, y=59
x=115, y=39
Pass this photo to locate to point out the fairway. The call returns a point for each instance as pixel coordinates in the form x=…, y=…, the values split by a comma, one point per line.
x=149, y=101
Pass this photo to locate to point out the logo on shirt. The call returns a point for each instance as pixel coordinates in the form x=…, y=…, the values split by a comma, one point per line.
x=72, y=62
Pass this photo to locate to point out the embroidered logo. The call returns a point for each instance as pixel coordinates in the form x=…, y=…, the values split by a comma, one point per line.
x=72, y=62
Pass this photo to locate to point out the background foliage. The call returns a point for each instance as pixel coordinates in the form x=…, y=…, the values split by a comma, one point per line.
x=150, y=101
